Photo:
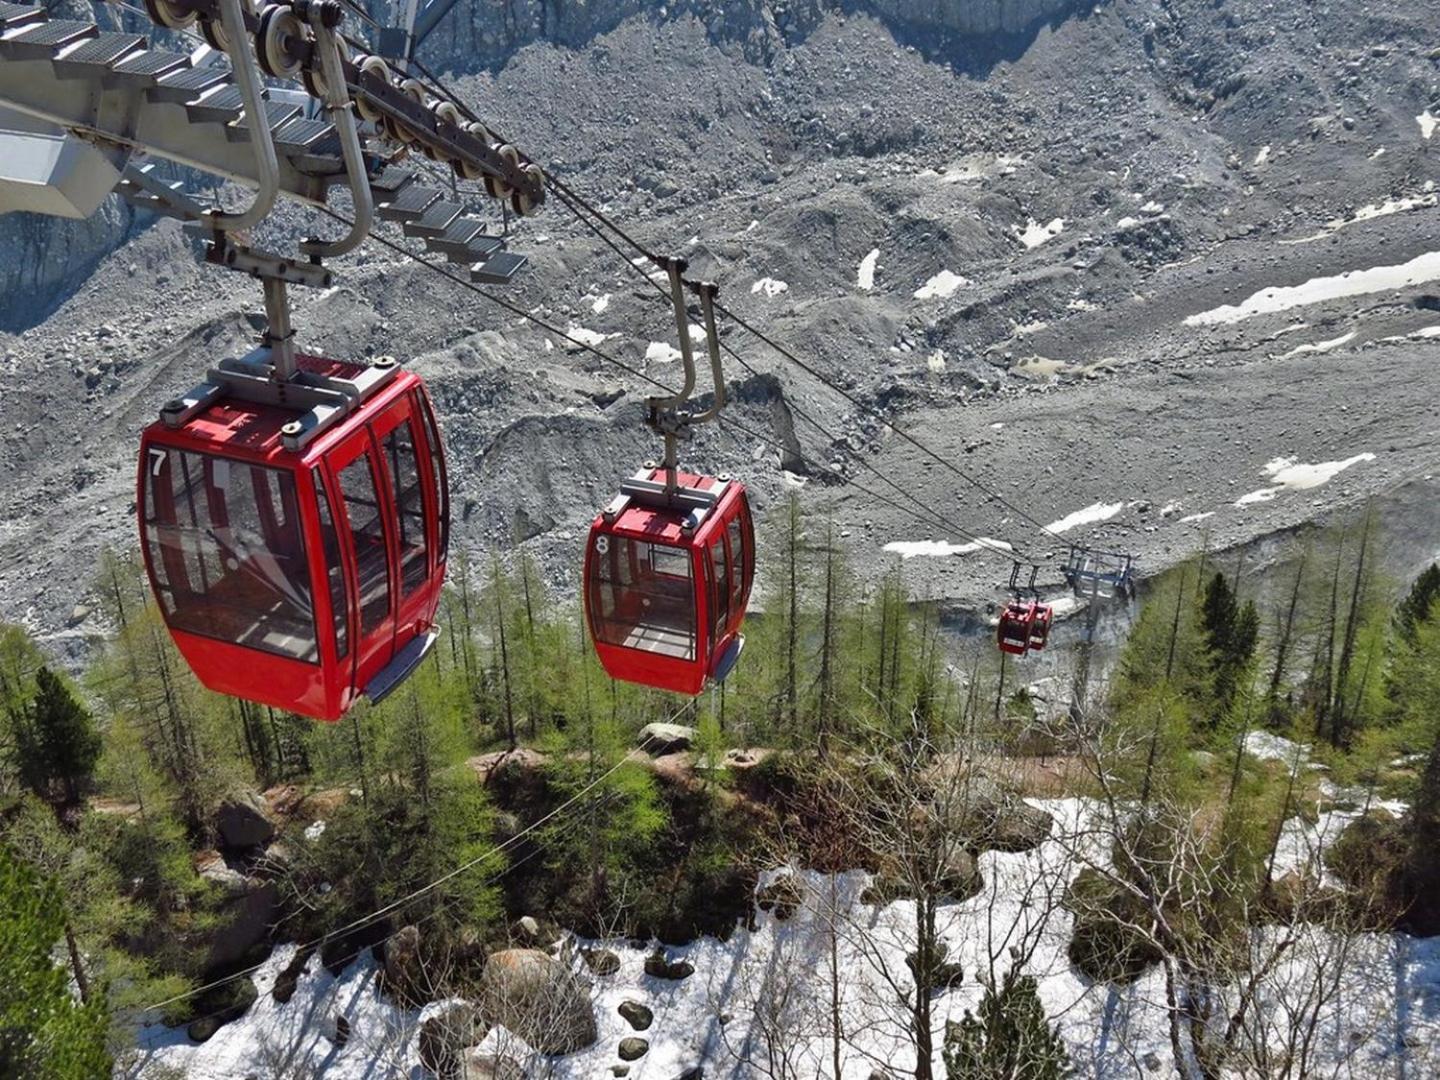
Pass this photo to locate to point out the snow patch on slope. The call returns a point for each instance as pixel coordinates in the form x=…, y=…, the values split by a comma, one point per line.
x=1418, y=271
x=865, y=275
x=1100, y=511
x=1290, y=475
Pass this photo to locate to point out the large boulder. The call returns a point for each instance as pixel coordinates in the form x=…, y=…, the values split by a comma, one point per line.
x=992, y=817
x=539, y=999
x=402, y=975
x=245, y=915
x=659, y=739
x=243, y=821
x=446, y=1035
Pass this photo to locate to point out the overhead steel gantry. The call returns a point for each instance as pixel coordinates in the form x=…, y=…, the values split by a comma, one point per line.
x=80, y=105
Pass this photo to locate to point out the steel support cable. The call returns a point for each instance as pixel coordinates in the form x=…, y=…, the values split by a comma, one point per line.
x=985, y=543
x=926, y=515
x=605, y=221
x=374, y=916
x=568, y=195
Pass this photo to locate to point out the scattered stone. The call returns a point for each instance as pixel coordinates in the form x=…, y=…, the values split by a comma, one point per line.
x=528, y=927
x=659, y=966
x=782, y=896
x=600, y=961
x=659, y=739
x=446, y=1035
x=638, y=1016
x=78, y=614
x=402, y=975
x=488, y=1065
x=632, y=1047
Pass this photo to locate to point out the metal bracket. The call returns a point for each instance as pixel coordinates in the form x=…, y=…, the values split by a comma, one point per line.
x=643, y=490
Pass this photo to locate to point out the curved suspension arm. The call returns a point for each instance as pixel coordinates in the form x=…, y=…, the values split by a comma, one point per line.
x=708, y=291
x=675, y=267
x=337, y=104
x=267, y=167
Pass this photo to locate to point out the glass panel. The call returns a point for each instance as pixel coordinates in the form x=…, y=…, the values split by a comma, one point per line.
x=228, y=552
x=642, y=596
x=437, y=471
x=334, y=570
x=400, y=455
x=367, y=532
x=720, y=592
x=739, y=557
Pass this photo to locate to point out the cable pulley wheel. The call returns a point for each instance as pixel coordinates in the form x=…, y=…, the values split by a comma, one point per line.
x=314, y=76
x=468, y=170
x=376, y=68
x=170, y=15
x=278, y=42
x=412, y=89
x=498, y=188
x=520, y=201
x=212, y=29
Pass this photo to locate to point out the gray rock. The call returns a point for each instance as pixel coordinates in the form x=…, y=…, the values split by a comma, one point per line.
x=487, y=1065
x=403, y=973
x=528, y=927
x=539, y=999
x=632, y=1047
x=601, y=961
x=243, y=821
x=446, y=1035
x=666, y=738
x=660, y=966
x=638, y=1016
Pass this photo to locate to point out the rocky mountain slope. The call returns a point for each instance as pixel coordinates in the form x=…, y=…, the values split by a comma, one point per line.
x=1174, y=265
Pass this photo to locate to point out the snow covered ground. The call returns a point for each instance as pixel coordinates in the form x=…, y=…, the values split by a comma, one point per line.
x=765, y=994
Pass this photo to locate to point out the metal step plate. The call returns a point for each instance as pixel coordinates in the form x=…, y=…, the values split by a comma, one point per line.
x=435, y=220
x=277, y=113
x=407, y=204
x=454, y=242
x=498, y=269
x=146, y=68
x=40, y=41
x=221, y=104
x=94, y=58
x=182, y=86
x=482, y=247
x=299, y=134
x=13, y=15
x=390, y=181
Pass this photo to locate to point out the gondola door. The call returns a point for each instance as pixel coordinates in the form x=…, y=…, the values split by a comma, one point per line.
x=366, y=513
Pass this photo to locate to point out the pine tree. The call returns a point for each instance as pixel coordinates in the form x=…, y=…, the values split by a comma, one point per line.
x=1420, y=605
x=1010, y=1039
x=60, y=744
x=45, y=1032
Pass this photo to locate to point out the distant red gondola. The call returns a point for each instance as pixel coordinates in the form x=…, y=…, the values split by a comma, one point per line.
x=667, y=581
x=297, y=549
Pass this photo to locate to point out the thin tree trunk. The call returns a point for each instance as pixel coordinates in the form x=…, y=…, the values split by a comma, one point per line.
x=504, y=656
x=82, y=982
x=1282, y=647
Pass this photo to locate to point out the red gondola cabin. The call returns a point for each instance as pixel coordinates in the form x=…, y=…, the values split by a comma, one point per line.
x=301, y=575
x=667, y=584
x=1024, y=627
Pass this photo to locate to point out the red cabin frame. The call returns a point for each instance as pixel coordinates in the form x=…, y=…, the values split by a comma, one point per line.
x=665, y=603
x=298, y=580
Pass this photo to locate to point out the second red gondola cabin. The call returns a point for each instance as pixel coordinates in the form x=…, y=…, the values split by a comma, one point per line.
x=666, y=587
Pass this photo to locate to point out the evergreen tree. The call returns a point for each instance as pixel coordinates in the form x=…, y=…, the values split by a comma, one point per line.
x=61, y=745
x=1420, y=605
x=45, y=1032
x=1010, y=1039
